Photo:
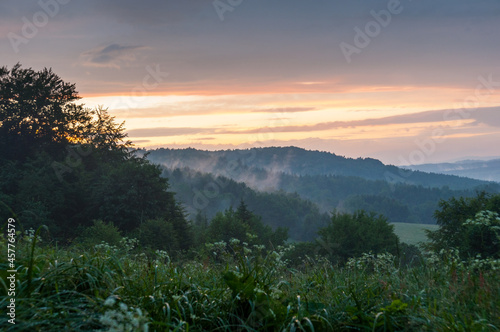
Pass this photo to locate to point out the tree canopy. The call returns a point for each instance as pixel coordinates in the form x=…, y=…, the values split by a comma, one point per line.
x=65, y=165
x=38, y=110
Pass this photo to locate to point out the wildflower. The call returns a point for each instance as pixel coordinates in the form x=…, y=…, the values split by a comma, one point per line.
x=259, y=291
x=110, y=301
x=125, y=319
x=259, y=247
x=251, y=236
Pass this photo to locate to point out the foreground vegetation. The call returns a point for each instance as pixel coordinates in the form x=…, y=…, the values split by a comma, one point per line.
x=235, y=286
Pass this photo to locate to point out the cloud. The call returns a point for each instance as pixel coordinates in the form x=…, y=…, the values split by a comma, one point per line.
x=488, y=116
x=168, y=131
x=483, y=115
x=428, y=116
x=112, y=55
x=206, y=139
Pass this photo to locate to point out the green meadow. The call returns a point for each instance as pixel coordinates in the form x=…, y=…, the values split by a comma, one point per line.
x=413, y=233
x=237, y=287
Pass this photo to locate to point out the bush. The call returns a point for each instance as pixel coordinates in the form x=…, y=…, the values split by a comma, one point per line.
x=483, y=235
x=158, y=234
x=409, y=254
x=350, y=235
x=100, y=232
x=456, y=232
x=245, y=226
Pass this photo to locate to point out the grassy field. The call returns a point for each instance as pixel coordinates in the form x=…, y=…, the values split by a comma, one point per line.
x=413, y=233
x=241, y=288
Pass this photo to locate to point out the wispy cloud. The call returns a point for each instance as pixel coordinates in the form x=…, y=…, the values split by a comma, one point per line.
x=487, y=116
x=168, y=131
x=112, y=55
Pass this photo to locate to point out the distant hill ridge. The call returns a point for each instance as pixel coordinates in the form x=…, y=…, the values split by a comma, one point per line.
x=297, y=161
x=487, y=170
x=266, y=177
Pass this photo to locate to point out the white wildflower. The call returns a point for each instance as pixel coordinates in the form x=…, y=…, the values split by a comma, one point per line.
x=110, y=301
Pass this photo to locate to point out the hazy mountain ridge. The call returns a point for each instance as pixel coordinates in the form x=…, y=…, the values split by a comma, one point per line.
x=202, y=182
x=244, y=165
x=487, y=170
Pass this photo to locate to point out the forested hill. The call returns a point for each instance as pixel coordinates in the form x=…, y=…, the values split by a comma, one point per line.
x=212, y=181
x=248, y=166
x=203, y=195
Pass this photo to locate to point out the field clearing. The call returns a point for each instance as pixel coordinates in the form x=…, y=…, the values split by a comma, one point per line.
x=413, y=233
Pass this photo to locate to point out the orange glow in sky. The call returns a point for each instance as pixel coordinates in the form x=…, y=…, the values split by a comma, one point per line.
x=277, y=74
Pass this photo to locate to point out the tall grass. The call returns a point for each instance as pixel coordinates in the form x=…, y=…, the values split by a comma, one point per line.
x=237, y=287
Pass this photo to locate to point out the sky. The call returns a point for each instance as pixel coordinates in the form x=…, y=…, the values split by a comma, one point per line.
x=406, y=82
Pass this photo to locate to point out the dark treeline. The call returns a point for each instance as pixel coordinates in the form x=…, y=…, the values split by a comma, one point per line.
x=66, y=166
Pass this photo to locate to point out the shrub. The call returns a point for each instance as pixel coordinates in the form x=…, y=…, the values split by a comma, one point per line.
x=158, y=234
x=350, y=235
x=100, y=232
x=483, y=234
x=456, y=232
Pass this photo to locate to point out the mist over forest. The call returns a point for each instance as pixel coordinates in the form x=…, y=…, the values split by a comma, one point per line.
x=276, y=181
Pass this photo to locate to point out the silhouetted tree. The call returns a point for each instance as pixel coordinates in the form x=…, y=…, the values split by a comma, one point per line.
x=65, y=165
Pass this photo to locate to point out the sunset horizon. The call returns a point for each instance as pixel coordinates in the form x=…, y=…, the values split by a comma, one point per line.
x=400, y=81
